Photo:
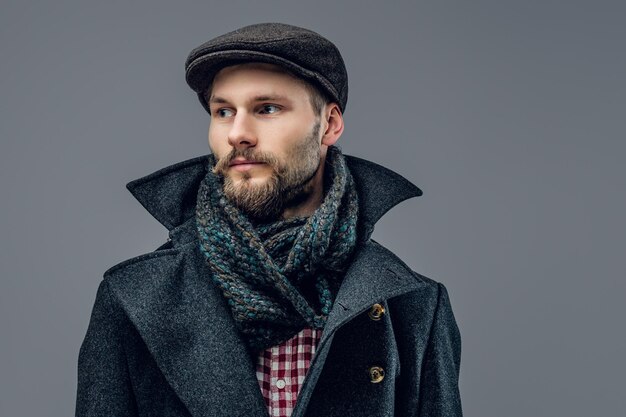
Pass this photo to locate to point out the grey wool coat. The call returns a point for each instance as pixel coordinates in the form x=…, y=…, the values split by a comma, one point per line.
x=161, y=340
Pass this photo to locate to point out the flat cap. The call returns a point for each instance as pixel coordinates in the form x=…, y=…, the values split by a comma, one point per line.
x=304, y=52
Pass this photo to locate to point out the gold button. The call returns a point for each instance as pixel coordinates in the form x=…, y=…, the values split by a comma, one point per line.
x=376, y=312
x=377, y=374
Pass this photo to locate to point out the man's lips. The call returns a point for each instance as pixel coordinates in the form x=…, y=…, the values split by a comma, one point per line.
x=243, y=164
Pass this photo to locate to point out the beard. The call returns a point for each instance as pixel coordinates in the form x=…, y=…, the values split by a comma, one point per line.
x=288, y=184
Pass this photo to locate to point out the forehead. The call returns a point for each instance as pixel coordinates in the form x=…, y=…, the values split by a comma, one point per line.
x=254, y=75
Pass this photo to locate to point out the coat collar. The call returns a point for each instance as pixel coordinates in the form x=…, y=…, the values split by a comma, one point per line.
x=170, y=193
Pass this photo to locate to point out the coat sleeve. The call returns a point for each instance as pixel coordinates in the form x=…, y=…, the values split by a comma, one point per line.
x=439, y=389
x=104, y=387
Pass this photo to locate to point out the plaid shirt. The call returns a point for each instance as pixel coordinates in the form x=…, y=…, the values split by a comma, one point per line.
x=281, y=370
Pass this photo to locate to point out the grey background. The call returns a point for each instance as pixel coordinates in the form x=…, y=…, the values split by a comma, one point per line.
x=509, y=115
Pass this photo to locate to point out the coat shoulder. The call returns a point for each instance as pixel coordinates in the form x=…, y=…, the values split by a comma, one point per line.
x=148, y=266
x=139, y=261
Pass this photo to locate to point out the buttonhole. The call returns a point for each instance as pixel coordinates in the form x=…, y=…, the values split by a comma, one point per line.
x=395, y=274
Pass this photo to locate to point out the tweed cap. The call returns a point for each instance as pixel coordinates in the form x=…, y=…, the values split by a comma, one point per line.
x=305, y=53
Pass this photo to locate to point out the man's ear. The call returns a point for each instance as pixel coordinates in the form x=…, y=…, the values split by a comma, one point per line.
x=334, y=124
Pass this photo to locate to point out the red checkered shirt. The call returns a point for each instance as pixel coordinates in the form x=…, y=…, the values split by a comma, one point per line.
x=281, y=370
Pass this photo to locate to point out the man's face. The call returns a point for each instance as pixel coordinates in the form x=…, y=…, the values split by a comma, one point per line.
x=263, y=116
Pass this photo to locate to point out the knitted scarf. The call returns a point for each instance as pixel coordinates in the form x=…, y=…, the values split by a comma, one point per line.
x=281, y=276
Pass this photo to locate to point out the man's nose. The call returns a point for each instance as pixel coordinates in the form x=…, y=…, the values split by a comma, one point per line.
x=241, y=134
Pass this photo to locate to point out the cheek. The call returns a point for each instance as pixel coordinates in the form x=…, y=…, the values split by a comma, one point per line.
x=215, y=145
x=287, y=135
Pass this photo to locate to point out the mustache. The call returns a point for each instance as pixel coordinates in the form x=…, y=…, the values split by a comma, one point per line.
x=250, y=154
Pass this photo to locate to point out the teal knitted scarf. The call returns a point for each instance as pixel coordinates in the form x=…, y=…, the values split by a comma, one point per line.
x=281, y=276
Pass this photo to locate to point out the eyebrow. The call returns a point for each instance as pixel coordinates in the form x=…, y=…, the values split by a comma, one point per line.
x=262, y=97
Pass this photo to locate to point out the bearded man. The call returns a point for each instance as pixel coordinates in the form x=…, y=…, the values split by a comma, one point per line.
x=270, y=297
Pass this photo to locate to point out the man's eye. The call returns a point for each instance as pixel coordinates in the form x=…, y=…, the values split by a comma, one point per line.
x=223, y=113
x=269, y=109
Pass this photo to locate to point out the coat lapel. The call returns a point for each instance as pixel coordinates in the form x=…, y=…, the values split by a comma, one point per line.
x=188, y=329
x=374, y=276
